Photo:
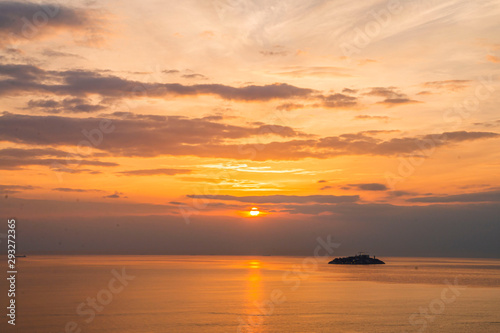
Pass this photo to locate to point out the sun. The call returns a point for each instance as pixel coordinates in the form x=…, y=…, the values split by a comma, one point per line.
x=254, y=211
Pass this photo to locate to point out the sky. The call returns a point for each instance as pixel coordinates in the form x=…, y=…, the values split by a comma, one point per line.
x=154, y=127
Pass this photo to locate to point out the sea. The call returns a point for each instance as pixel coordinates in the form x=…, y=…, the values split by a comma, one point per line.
x=154, y=293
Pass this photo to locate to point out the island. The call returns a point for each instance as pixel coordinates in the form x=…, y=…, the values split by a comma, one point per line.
x=359, y=259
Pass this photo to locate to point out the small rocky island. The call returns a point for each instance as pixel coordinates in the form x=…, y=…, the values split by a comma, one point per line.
x=359, y=259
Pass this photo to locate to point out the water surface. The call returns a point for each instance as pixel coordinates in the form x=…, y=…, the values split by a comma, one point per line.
x=256, y=294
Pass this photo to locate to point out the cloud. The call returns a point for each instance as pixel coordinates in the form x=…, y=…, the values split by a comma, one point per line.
x=137, y=135
x=290, y=106
x=397, y=101
x=489, y=124
x=68, y=105
x=30, y=79
x=388, y=92
x=459, y=136
x=452, y=85
x=33, y=152
x=54, y=53
x=11, y=189
x=281, y=198
x=153, y=135
x=325, y=188
x=367, y=117
x=152, y=172
x=349, y=91
x=370, y=187
x=487, y=196
x=401, y=193
x=392, y=96
x=17, y=158
x=23, y=21
x=77, y=190
x=339, y=101
x=424, y=92
x=277, y=52
x=115, y=195
x=195, y=76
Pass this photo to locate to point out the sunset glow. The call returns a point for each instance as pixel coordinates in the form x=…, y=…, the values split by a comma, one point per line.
x=115, y=109
x=250, y=166
x=254, y=212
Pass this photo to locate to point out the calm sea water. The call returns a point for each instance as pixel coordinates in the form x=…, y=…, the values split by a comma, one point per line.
x=254, y=294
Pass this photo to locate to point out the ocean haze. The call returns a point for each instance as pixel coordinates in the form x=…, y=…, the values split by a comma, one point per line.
x=430, y=231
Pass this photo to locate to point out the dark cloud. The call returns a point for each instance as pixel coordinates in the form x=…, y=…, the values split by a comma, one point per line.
x=401, y=193
x=151, y=135
x=11, y=189
x=54, y=53
x=489, y=124
x=20, y=20
x=459, y=136
x=17, y=158
x=322, y=181
x=31, y=79
x=349, y=91
x=392, y=96
x=276, y=52
x=151, y=172
x=77, y=190
x=142, y=135
x=370, y=187
x=20, y=74
x=65, y=165
x=74, y=170
x=68, y=105
x=325, y=188
x=397, y=101
x=290, y=106
x=281, y=198
x=195, y=76
x=33, y=152
x=43, y=103
x=487, y=196
x=339, y=101
x=115, y=195
x=387, y=92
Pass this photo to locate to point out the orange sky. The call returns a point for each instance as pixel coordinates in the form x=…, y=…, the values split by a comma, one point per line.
x=209, y=108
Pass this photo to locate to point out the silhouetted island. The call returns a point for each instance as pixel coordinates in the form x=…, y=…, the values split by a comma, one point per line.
x=359, y=259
